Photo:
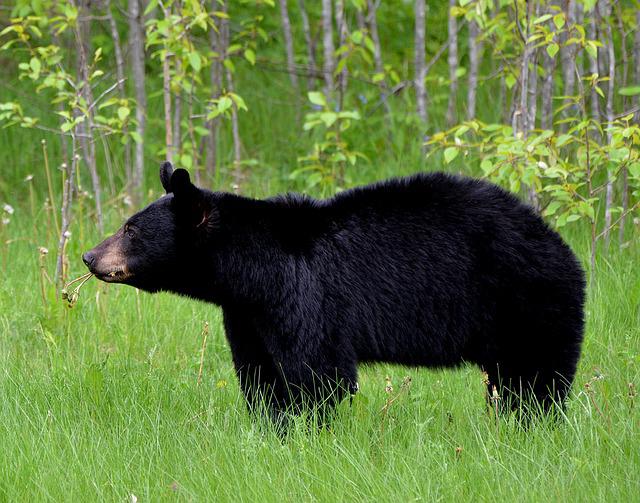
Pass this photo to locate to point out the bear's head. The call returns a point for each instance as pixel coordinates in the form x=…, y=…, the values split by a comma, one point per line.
x=154, y=250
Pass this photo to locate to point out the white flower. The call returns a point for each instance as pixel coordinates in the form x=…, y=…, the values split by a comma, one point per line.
x=28, y=178
x=8, y=208
x=67, y=234
x=5, y=221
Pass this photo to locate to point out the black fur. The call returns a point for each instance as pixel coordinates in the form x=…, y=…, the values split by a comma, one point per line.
x=432, y=270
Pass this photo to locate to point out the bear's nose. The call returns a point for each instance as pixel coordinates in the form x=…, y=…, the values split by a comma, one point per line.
x=88, y=258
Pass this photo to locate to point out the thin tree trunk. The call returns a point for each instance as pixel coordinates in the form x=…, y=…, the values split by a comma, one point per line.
x=474, y=63
x=328, y=47
x=288, y=44
x=636, y=62
x=177, y=109
x=592, y=34
x=568, y=53
x=372, y=22
x=136, y=50
x=113, y=28
x=419, y=60
x=82, y=37
x=215, y=74
x=624, y=74
x=611, y=56
x=546, y=101
x=523, y=121
x=453, y=64
x=341, y=24
x=166, y=93
x=235, y=129
x=311, y=50
x=533, y=90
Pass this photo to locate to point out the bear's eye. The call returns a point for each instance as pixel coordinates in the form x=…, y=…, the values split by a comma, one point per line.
x=129, y=231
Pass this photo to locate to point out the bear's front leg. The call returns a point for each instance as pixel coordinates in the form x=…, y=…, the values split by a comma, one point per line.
x=260, y=381
x=316, y=382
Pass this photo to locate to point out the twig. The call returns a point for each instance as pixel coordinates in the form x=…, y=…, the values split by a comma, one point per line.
x=205, y=334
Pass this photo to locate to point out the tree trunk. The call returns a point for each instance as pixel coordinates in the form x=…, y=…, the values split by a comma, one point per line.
x=215, y=75
x=113, y=28
x=372, y=23
x=288, y=44
x=453, y=65
x=235, y=128
x=568, y=53
x=611, y=56
x=474, y=63
x=341, y=24
x=177, y=110
x=592, y=34
x=136, y=53
x=166, y=93
x=419, y=60
x=311, y=49
x=82, y=38
x=546, y=101
x=636, y=62
x=328, y=47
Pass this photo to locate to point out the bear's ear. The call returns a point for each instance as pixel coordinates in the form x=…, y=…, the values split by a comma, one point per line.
x=191, y=205
x=166, y=170
x=181, y=185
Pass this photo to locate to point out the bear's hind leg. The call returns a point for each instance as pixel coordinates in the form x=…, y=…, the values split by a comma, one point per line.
x=527, y=390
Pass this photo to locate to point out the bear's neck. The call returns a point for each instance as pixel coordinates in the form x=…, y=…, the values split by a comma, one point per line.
x=250, y=252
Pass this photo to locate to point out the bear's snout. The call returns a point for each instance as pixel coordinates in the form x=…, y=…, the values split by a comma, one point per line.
x=108, y=260
x=88, y=258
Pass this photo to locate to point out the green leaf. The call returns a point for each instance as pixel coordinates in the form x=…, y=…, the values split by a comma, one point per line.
x=329, y=118
x=195, y=61
x=450, y=154
x=559, y=20
x=542, y=19
x=250, y=56
x=552, y=208
x=152, y=5
x=486, y=166
x=224, y=103
x=317, y=98
x=629, y=91
x=510, y=80
x=552, y=49
x=123, y=113
x=136, y=136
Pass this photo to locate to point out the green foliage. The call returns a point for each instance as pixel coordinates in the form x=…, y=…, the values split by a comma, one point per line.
x=325, y=166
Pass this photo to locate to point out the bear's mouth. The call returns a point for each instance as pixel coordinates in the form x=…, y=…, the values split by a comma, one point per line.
x=117, y=276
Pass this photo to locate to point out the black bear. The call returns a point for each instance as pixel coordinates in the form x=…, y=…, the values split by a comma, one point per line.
x=432, y=270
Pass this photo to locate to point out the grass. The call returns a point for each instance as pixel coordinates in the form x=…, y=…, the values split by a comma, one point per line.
x=101, y=402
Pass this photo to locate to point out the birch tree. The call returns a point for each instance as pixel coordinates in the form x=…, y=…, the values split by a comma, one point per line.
x=419, y=60
x=215, y=77
x=136, y=54
x=83, y=47
x=288, y=44
x=120, y=66
x=611, y=57
x=341, y=24
x=474, y=63
x=453, y=63
x=311, y=49
x=328, y=48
